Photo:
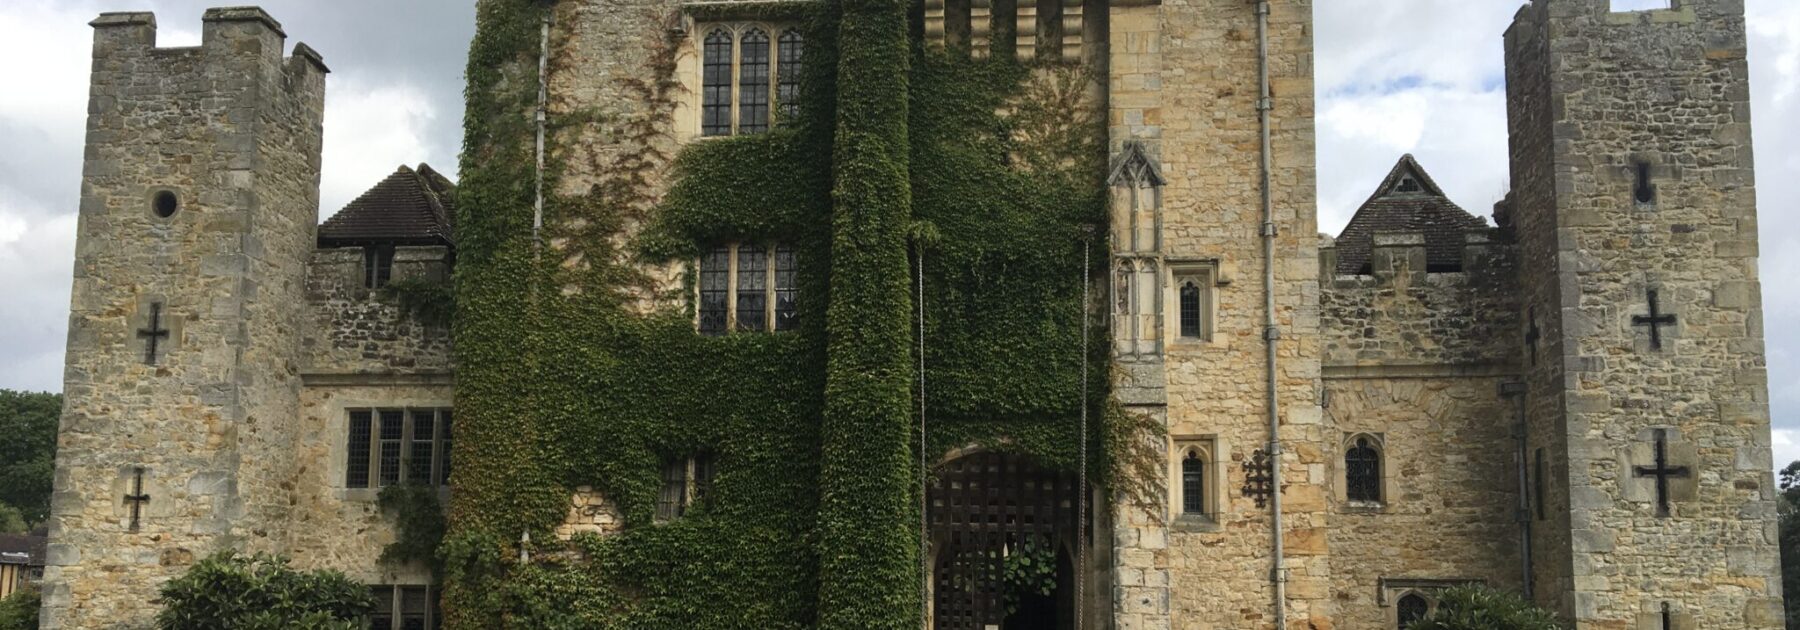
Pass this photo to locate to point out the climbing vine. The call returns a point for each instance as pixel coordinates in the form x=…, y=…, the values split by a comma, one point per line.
x=578, y=367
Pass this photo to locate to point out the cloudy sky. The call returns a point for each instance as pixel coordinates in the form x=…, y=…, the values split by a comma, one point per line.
x=1394, y=76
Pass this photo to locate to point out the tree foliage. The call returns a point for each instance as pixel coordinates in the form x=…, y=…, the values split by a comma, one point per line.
x=29, y=421
x=1789, y=506
x=262, y=592
x=1483, y=608
x=20, y=610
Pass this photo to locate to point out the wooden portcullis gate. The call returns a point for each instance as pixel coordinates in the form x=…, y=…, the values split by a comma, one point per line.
x=983, y=507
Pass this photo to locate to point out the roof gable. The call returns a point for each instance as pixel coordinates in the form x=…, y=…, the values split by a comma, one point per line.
x=1407, y=200
x=409, y=207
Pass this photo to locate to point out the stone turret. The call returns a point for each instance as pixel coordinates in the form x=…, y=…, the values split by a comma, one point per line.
x=1647, y=404
x=198, y=212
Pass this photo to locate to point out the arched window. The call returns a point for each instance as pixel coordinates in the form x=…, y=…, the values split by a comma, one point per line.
x=715, y=83
x=753, y=82
x=1411, y=608
x=1362, y=472
x=787, y=73
x=1190, y=309
x=1193, y=483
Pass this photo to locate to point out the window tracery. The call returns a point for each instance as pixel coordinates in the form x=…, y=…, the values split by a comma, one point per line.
x=741, y=68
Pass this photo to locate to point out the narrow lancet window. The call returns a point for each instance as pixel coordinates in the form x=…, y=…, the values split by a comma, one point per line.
x=753, y=82
x=1362, y=472
x=787, y=74
x=1193, y=484
x=715, y=106
x=1190, y=310
x=752, y=287
x=672, y=501
x=715, y=276
x=1644, y=191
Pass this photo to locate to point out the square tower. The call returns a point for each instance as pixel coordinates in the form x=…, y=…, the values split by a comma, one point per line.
x=1648, y=409
x=198, y=211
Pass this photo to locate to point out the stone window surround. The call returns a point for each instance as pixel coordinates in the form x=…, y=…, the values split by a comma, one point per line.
x=771, y=291
x=1206, y=274
x=337, y=425
x=690, y=64
x=1341, y=488
x=1216, y=452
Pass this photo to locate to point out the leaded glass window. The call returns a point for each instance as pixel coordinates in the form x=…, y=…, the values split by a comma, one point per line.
x=672, y=501
x=753, y=82
x=356, y=469
x=1193, y=486
x=703, y=476
x=405, y=608
x=715, y=84
x=1412, y=608
x=748, y=287
x=378, y=266
x=715, y=278
x=393, y=435
x=752, y=287
x=1190, y=309
x=786, y=270
x=787, y=94
x=392, y=446
x=1362, y=472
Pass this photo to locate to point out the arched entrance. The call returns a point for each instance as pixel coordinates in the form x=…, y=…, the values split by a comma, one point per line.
x=998, y=523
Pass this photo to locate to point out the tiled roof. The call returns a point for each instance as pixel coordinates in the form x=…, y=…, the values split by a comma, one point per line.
x=410, y=207
x=22, y=549
x=1391, y=209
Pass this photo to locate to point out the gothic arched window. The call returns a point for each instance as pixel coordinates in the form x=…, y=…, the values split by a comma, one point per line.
x=1190, y=309
x=787, y=73
x=1193, y=484
x=1362, y=472
x=753, y=82
x=715, y=84
x=1411, y=608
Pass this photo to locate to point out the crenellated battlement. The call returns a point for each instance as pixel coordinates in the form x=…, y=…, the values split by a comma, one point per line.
x=239, y=39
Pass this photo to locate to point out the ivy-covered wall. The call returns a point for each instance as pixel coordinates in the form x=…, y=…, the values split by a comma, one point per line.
x=578, y=363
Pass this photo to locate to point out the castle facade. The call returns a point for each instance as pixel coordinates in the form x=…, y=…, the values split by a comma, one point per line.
x=848, y=314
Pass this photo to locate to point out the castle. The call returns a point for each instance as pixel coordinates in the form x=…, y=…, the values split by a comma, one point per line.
x=845, y=314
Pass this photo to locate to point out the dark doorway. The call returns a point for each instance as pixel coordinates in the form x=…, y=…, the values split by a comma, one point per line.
x=989, y=512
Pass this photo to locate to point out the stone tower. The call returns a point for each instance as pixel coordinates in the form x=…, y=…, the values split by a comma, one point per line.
x=1647, y=405
x=199, y=201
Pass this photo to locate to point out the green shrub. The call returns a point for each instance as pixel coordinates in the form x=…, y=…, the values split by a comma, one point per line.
x=1482, y=608
x=261, y=592
x=20, y=611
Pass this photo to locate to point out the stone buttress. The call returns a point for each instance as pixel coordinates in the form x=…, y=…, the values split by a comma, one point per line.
x=198, y=212
x=1648, y=407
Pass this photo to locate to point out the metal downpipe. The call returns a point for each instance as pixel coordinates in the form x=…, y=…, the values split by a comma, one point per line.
x=1271, y=332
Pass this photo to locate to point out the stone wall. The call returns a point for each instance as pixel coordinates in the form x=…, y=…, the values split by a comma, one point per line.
x=1183, y=84
x=1633, y=165
x=358, y=330
x=1414, y=361
x=231, y=131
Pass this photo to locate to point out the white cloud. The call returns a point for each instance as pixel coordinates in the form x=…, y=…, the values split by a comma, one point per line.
x=370, y=129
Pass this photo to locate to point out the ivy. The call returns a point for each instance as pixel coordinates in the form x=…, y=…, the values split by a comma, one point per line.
x=427, y=301
x=418, y=524
x=988, y=171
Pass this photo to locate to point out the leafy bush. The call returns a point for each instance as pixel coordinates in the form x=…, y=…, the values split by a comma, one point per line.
x=20, y=611
x=261, y=592
x=419, y=524
x=28, y=420
x=1482, y=608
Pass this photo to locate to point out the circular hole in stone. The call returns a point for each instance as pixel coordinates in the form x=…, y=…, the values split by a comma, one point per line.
x=164, y=204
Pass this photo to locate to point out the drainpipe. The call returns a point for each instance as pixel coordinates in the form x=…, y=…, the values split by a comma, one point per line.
x=543, y=98
x=1271, y=332
x=1516, y=391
